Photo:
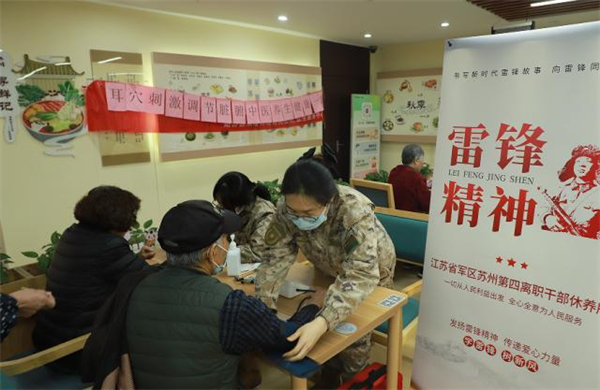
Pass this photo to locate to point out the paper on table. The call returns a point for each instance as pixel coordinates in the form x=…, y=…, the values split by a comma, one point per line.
x=249, y=267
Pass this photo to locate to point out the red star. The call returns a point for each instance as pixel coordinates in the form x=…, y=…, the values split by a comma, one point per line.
x=511, y=263
x=498, y=259
x=524, y=265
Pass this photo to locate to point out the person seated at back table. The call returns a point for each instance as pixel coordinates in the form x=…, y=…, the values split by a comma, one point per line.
x=91, y=257
x=252, y=202
x=183, y=328
x=411, y=192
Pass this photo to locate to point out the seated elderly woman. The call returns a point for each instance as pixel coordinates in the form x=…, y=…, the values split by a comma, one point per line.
x=180, y=328
x=90, y=258
x=411, y=192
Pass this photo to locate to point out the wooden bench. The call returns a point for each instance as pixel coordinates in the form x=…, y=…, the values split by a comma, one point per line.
x=22, y=367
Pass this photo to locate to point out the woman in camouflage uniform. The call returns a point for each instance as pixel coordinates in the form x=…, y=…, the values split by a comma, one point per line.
x=336, y=229
x=252, y=202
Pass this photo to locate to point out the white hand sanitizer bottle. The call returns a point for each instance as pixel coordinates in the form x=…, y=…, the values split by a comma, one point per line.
x=234, y=259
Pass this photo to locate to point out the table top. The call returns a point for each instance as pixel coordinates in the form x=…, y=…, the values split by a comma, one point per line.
x=369, y=314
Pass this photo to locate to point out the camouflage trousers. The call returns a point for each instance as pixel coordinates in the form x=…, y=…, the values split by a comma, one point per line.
x=352, y=359
x=355, y=358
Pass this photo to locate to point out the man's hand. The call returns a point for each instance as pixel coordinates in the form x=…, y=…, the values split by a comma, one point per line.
x=31, y=300
x=307, y=337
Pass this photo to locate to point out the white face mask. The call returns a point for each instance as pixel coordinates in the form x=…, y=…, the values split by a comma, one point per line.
x=218, y=268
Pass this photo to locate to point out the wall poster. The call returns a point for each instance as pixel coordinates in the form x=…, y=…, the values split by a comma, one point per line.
x=53, y=108
x=235, y=79
x=410, y=103
x=364, y=153
x=118, y=148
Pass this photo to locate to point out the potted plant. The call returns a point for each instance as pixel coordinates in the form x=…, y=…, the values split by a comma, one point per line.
x=43, y=259
x=274, y=188
x=138, y=235
x=381, y=176
x=6, y=274
x=426, y=171
x=14, y=279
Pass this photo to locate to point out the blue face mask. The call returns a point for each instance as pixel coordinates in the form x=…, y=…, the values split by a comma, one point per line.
x=310, y=223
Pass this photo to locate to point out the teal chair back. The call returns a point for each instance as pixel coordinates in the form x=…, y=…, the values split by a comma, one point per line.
x=378, y=197
x=408, y=235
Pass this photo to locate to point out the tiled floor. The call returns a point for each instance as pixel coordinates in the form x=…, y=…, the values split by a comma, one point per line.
x=272, y=378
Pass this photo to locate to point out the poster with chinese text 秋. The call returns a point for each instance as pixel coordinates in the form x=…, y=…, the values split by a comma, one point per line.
x=410, y=103
x=511, y=296
x=365, y=151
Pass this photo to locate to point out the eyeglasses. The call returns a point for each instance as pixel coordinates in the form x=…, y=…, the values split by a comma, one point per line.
x=294, y=217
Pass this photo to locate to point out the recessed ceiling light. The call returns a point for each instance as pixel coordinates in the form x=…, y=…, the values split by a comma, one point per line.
x=106, y=61
x=282, y=18
x=551, y=2
x=444, y=24
x=32, y=73
x=367, y=35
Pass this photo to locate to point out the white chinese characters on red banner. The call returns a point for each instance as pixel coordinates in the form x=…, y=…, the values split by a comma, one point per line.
x=175, y=104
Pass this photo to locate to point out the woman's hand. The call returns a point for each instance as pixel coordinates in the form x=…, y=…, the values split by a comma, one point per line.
x=147, y=251
x=31, y=300
x=307, y=337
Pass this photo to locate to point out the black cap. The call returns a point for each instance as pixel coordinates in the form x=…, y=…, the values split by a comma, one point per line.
x=193, y=225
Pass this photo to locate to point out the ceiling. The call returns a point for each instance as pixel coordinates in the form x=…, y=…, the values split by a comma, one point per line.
x=389, y=21
x=515, y=10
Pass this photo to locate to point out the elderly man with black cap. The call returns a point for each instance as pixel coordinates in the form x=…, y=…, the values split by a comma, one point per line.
x=184, y=329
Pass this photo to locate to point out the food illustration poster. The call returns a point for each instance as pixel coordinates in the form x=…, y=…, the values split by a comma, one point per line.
x=211, y=82
x=118, y=148
x=410, y=104
x=9, y=106
x=53, y=108
x=365, y=135
x=280, y=85
x=224, y=78
x=515, y=216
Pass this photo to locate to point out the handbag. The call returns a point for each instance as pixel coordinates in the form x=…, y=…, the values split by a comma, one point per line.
x=374, y=376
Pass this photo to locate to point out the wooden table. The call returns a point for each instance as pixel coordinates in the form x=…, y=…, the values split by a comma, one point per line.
x=366, y=317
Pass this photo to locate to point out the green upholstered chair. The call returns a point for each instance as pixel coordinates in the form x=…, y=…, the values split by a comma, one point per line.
x=381, y=194
x=408, y=232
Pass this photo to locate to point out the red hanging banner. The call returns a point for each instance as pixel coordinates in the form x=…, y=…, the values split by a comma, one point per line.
x=100, y=118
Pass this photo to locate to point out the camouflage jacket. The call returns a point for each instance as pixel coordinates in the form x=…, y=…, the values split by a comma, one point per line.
x=255, y=221
x=351, y=245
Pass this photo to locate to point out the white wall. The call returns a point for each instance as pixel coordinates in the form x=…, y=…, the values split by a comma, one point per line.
x=38, y=192
x=422, y=55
